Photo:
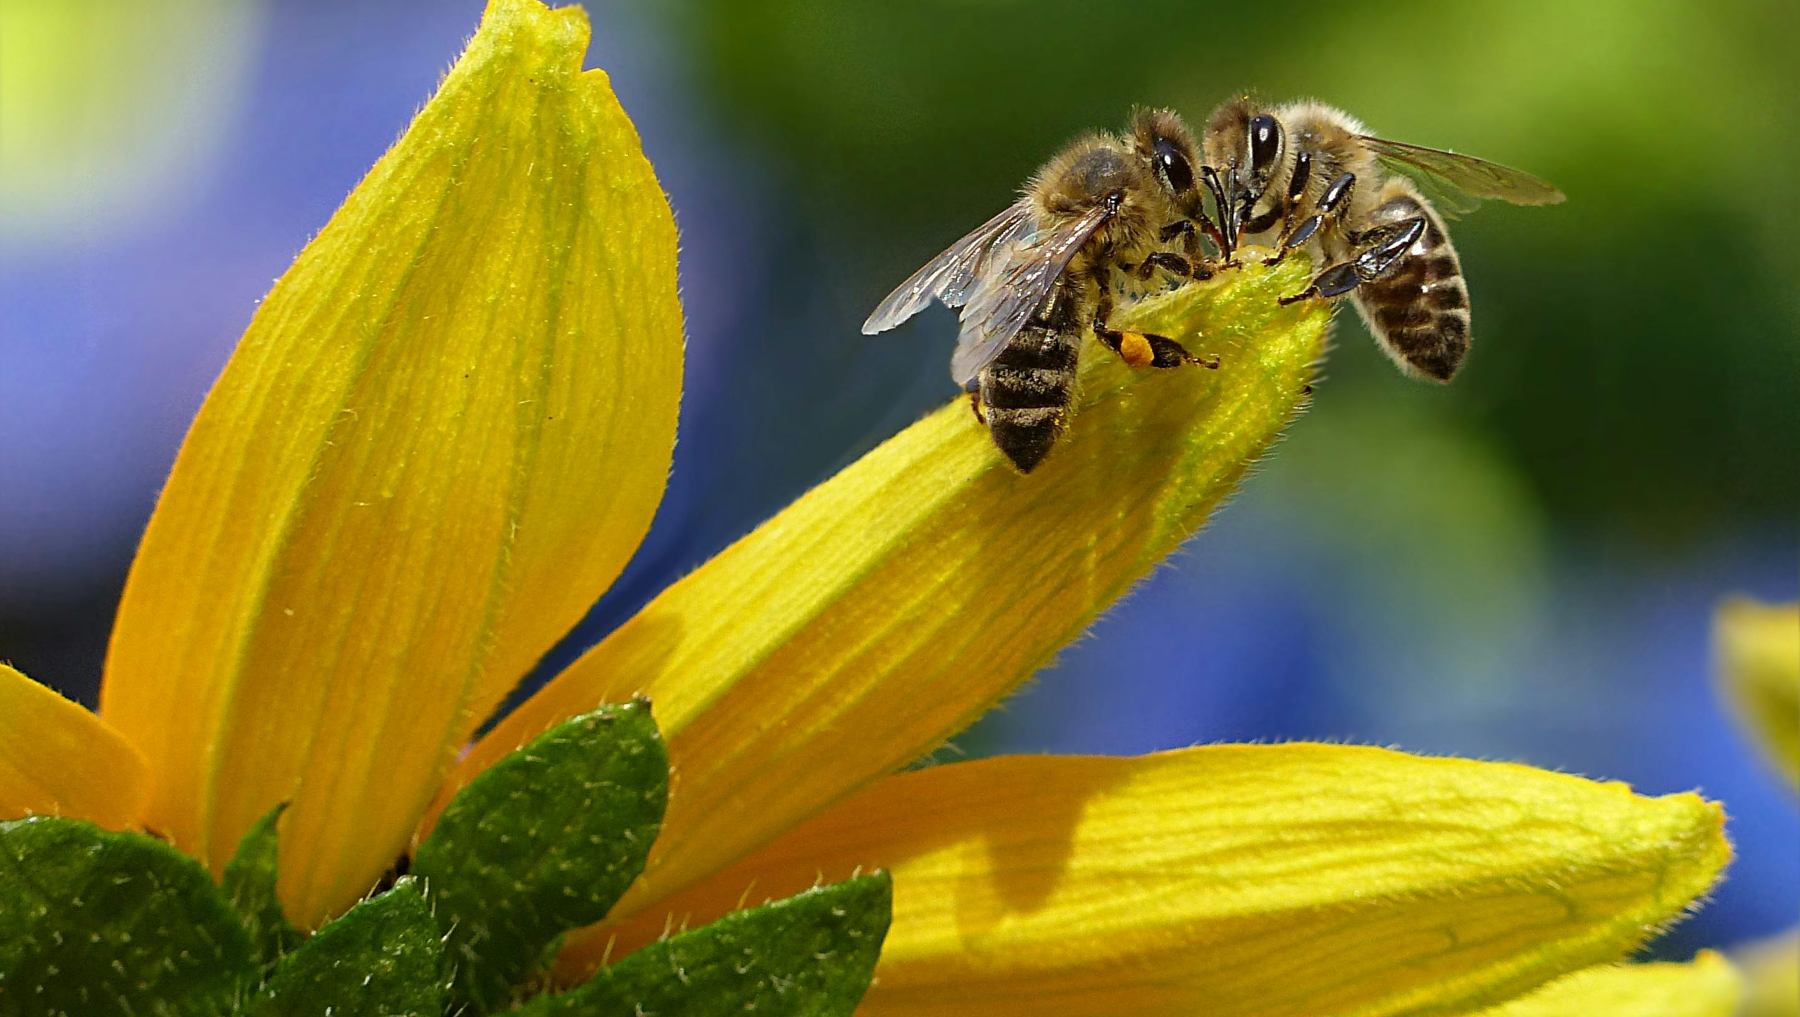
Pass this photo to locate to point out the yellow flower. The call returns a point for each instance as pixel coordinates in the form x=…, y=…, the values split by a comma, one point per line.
x=447, y=428
x=1759, y=670
x=1759, y=667
x=1771, y=976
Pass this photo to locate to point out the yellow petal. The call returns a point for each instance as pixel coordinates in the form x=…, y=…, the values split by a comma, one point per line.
x=1759, y=650
x=57, y=758
x=442, y=436
x=1707, y=987
x=1771, y=971
x=1253, y=880
x=891, y=606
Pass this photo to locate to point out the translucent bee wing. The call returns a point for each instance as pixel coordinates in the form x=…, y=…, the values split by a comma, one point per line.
x=1464, y=175
x=1003, y=300
x=950, y=275
x=1449, y=201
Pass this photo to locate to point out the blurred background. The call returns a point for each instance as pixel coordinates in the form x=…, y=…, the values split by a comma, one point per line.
x=1520, y=566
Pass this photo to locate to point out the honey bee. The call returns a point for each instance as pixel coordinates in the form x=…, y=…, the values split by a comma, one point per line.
x=1092, y=224
x=1310, y=176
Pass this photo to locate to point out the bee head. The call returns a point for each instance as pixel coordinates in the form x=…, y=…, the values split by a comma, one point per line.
x=1160, y=139
x=1246, y=143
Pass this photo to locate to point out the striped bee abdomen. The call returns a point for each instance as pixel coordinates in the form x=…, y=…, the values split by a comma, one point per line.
x=1027, y=391
x=1419, y=308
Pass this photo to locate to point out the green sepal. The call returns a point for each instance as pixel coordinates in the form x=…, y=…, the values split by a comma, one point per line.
x=811, y=955
x=98, y=922
x=542, y=842
x=249, y=882
x=384, y=956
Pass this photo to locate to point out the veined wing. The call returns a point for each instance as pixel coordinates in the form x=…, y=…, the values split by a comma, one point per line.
x=950, y=275
x=1003, y=300
x=1464, y=175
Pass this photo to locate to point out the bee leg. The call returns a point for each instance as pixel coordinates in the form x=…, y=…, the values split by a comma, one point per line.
x=1190, y=241
x=1172, y=263
x=1379, y=250
x=1264, y=222
x=1292, y=237
x=1301, y=234
x=1199, y=265
x=1130, y=346
x=1169, y=353
x=1332, y=205
x=974, y=390
x=1183, y=228
x=1334, y=281
x=1140, y=349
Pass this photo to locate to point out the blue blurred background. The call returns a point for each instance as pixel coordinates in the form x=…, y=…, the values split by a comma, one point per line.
x=1520, y=566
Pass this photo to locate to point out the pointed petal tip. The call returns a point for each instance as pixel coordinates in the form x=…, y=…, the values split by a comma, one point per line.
x=59, y=759
x=444, y=433
x=1252, y=880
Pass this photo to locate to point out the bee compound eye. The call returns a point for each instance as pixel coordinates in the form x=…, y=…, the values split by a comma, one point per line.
x=1265, y=143
x=1173, y=166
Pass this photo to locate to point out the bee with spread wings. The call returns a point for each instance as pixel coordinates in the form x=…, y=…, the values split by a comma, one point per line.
x=1031, y=280
x=1308, y=176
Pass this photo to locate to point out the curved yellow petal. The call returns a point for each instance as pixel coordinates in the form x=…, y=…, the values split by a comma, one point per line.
x=57, y=758
x=1759, y=650
x=891, y=606
x=443, y=434
x=1233, y=880
x=1706, y=987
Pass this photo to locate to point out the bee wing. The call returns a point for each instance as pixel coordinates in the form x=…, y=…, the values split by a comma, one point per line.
x=1463, y=177
x=1451, y=202
x=1003, y=300
x=949, y=276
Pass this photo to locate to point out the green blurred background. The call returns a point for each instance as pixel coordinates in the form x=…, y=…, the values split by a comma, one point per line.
x=1521, y=565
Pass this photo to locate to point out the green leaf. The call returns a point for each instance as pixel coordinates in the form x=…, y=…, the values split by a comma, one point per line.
x=382, y=957
x=249, y=881
x=542, y=842
x=93, y=922
x=811, y=955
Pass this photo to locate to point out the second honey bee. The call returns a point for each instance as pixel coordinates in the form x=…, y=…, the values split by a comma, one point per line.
x=1032, y=280
x=1110, y=213
x=1306, y=175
